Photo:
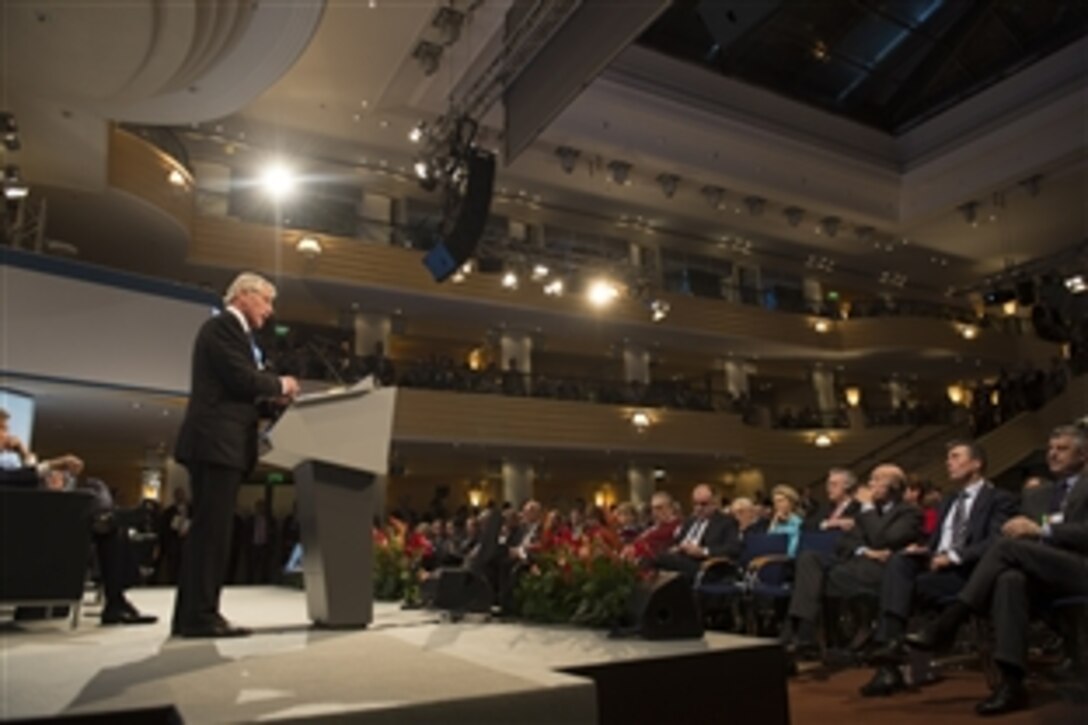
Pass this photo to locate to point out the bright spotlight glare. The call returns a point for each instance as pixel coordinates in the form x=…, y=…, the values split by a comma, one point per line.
x=416, y=134
x=602, y=293
x=1076, y=284
x=423, y=171
x=278, y=181
x=510, y=280
x=554, y=288
x=540, y=271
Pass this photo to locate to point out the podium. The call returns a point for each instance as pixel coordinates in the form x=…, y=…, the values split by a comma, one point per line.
x=336, y=442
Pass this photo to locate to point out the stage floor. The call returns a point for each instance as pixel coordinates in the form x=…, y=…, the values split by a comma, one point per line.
x=408, y=667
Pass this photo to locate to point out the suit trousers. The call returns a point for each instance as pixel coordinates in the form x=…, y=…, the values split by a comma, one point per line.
x=808, y=584
x=683, y=564
x=207, y=546
x=908, y=582
x=999, y=585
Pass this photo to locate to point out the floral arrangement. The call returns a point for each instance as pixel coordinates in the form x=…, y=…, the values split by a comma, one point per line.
x=397, y=556
x=584, y=581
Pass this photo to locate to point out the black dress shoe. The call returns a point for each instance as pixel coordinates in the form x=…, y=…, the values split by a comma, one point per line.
x=890, y=653
x=127, y=616
x=1008, y=697
x=211, y=631
x=886, y=681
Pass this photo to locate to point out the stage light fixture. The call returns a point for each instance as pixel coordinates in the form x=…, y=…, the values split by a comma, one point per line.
x=429, y=56
x=1076, y=284
x=755, y=205
x=540, y=271
x=568, y=158
x=641, y=420
x=554, y=288
x=714, y=196
x=176, y=178
x=9, y=130
x=14, y=188
x=822, y=440
x=417, y=132
x=794, y=215
x=602, y=293
x=970, y=212
x=659, y=310
x=668, y=184
x=619, y=171
x=829, y=225
x=510, y=281
x=278, y=180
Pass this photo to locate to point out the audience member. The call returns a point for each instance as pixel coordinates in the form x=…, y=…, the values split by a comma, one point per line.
x=705, y=534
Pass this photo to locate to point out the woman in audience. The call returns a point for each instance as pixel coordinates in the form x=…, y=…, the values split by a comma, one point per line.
x=627, y=523
x=784, y=517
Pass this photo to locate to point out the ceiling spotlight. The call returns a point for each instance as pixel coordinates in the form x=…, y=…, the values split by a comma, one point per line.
x=14, y=188
x=422, y=169
x=822, y=326
x=755, y=205
x=668, y=183
x=865, y=235
x=568, y=158
x=429, y=56
x=278, y=180
x=417, y=132
x=968, y=332
x=714, y=196
x=829, y=225
x=540, y=271
x=641, y=420
x=794, y=215
x=970, y=212
x=510, y=281
x=618, y=171
x=9, y=131
x=554, y=288
x=602, y=293
x=659, y=310
x=1032, y=185
x=308, y=246
x=176, y=178
x=1076, y=284
x=449, y=22
x=823, y=440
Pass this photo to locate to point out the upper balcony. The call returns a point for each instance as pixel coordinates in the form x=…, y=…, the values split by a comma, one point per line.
x=350, y=272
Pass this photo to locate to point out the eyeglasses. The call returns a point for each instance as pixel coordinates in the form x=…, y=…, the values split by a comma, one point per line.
x=702, y=503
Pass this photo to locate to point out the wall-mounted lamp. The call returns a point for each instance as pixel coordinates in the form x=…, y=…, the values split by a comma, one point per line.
x=853, y=396
x=308, y=247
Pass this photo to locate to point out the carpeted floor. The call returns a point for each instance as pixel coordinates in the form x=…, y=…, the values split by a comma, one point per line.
x=816, y=698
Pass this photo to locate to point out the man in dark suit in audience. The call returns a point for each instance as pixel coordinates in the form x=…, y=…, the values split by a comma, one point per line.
x=217, y=443
x=1047, y=557
x=884, y=526
x=837, y=513
x=707, y=533
x=970, y=519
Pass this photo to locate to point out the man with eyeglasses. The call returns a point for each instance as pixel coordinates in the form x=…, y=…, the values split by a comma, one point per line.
x=707, y=533
x=217, y=443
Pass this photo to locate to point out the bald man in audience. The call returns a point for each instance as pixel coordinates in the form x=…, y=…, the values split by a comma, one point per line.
x=883, y=526
x=707, y=533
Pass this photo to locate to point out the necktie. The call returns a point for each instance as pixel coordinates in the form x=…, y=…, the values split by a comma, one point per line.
x=959, y=522
x=258, y=357
x=1060, y=495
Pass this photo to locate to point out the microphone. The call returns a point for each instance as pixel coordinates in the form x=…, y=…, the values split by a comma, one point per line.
x=324, y=360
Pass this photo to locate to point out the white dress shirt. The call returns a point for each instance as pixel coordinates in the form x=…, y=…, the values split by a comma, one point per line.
x=969, y=496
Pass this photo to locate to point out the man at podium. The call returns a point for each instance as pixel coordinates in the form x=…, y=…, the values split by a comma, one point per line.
x=217, y=443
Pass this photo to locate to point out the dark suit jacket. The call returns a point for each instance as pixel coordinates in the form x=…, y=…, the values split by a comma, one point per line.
x=719, y=537
x=220, y=425
x=824, y=511
x=1072, y=533
x=897, y=528
x=25, y=477
x=991, y=509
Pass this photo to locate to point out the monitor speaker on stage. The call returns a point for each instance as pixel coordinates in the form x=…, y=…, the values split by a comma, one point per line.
x=664, y=608
x=457, y=246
